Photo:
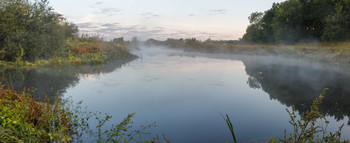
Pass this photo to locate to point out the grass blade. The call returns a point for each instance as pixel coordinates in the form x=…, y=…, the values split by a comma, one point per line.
x=230, y=126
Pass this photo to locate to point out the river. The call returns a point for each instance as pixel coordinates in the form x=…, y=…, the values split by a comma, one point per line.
x=184, y=92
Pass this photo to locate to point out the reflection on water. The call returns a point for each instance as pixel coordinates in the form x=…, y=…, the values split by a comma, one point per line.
x=50, y=81
x=184, y=92
x=297, y=86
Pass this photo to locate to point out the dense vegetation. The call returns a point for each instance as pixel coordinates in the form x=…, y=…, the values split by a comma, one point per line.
x=295, y=21
x=31, y=33
x=193, y=44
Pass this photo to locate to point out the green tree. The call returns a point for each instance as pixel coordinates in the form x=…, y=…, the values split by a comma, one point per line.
x=32, y=27
x=254, y=32
x=287, y=25
x=337, y=25
x=300, y=21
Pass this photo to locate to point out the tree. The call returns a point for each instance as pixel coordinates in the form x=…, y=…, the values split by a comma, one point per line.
x=254, y=32
x=255, y=17
x=119, y=40
x=287, y=25
x=337, y=25
x=30, y=31
x=295, y=21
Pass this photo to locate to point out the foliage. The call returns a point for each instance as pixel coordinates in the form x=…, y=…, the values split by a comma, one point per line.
x=23, y=119
x=32, y=30
x=309, y=127
x=295, y=21
x=337, y=25
x=80, y=50
x=96, y=50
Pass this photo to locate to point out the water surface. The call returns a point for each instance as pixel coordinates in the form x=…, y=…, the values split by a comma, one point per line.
x=184, y=92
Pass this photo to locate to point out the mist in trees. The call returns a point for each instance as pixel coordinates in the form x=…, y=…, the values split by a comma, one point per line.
x=295, y=21
x=32, y=30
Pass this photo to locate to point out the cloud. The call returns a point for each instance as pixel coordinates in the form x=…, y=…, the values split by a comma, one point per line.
x=214, y=11
x=149, y=15
x=209, y=12
x=99, y=3
x=96, y=4
x=158, y=27
x=217, y=11
x=86, y=25
x=86, y=18
x=114, y=30
x=109, y=11
x=110, y=24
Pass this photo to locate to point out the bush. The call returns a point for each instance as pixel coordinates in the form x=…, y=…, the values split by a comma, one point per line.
x=33, y=27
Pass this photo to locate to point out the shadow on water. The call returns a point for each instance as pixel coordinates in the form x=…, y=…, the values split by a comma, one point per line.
x=52, y=80
x=295, y=85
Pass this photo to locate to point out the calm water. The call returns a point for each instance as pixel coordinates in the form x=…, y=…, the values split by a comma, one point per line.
x=184, y=92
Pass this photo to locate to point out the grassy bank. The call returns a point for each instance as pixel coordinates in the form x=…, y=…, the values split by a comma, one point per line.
x=82, y=50
x=22, y=119
x=334, y=53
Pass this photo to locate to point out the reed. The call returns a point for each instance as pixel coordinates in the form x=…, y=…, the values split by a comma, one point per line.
x=230, y=126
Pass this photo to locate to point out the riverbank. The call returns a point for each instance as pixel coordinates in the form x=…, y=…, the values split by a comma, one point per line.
x=79, y=51
x=23, y=119
x=334, y=53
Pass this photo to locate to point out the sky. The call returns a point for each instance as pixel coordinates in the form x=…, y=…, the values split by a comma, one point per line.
x=162, y=19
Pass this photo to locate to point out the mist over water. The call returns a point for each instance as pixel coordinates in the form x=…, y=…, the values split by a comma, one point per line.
x=185, y=91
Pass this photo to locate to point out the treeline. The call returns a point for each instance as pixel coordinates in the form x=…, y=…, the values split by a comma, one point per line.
x=191, y=43
x=296, y=21
x=32, y=30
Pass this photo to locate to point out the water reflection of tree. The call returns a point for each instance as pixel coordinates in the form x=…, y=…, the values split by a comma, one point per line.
x=42, y=82
x=299, y=85
x=50, y=81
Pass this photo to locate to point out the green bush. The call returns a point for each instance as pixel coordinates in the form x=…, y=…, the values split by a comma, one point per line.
x=32, y=27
